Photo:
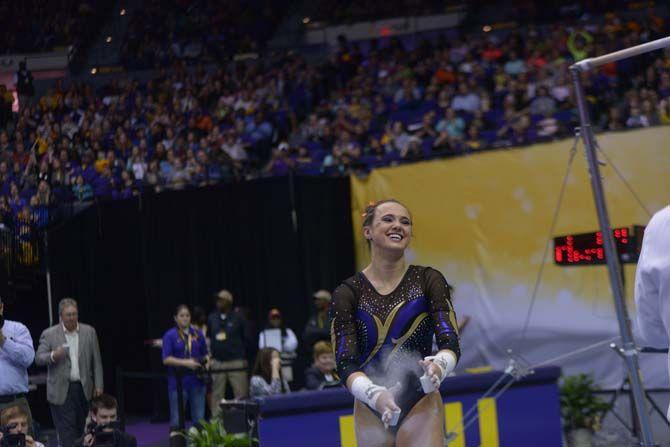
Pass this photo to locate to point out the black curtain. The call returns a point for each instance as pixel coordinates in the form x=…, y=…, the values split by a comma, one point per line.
x=271, y=242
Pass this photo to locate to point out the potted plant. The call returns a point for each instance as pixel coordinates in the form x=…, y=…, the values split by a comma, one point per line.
x=212, y=434
x=582, y=411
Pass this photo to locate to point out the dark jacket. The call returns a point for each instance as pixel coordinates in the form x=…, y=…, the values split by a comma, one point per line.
x=316, y=380
x=122, y=439
x=317, y=329
x=227, y=336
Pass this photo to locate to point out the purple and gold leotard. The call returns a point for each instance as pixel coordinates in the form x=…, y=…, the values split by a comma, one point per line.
x=385, y=336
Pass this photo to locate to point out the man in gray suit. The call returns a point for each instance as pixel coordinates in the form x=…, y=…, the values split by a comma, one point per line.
x=70, y=351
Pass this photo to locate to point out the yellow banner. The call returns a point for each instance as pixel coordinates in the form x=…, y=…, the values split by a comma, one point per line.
x=483, y=220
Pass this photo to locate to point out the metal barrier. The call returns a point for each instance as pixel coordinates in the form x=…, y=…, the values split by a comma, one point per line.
x=22, y=235
x=179, y=373
x=20, y=245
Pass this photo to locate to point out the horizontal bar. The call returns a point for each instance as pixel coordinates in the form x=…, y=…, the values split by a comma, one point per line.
x=593, y=62
x=159, y=375
x=627, y=391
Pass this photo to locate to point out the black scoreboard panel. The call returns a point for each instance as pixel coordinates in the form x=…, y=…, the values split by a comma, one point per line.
x=587, y=248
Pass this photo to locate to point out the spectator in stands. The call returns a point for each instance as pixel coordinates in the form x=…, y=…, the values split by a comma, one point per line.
x=473, y=140
x=413, y=150
x=276, y=335
x=82, y=191
x=426, y=129
x=636, y=118
x=70, y=384
x=153, y=178
x=579, y=44
x=561, y=90
x=104, y=417
x=408, y=93
x=318, y=325
x=16, y=202
x=6, y=102
x=184, y=353
x=322, y=372
x=465, y=100
x=514, y=129
x=548, y=126
x=514, y=65
x=664, y=111
x=6, y=215
x=16, y=355
x=126, y=187
x=43, y=196
x=279, y=163
x=18, y=419
x=396, y=139
x=614, y=120
x=229, y=121
x=267, y=378
x=227, y=332
x=23, y=80
x=136, y=163
x=649, y=111
x=103, y=183
x=451, y=129
x=543, y=104
x=232, y=145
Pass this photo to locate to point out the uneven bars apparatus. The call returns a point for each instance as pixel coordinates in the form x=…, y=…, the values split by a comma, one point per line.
x=629, y=349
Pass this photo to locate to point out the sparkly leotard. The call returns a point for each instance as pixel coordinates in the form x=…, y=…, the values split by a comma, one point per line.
x=384, y=336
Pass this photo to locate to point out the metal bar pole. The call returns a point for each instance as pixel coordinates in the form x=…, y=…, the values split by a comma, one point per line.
x=593, y=62
x=629, y=349
x=48, y=278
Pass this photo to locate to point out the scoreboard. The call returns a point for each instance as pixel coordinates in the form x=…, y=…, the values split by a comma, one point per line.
x=588, y=249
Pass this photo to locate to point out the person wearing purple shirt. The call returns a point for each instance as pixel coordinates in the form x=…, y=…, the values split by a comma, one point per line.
x=184, y=347
x=102, y=185
x=88, y=172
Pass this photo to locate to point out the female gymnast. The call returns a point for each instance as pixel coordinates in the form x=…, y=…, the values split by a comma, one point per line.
x=383, y=322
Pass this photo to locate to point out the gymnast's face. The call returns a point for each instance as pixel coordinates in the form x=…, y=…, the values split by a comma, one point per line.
x=391, y=227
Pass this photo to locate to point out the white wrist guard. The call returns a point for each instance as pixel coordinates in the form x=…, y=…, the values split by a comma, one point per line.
x=364, y=390
x=446, y=360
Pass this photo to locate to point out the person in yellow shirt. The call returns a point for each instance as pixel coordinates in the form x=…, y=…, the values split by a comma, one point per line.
x=101, y=163
x=579, y=44
x=664, y=111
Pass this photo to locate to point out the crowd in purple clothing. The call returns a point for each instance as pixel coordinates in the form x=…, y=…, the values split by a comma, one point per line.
x=368, y=105
x=183, y=128
x=481, y=91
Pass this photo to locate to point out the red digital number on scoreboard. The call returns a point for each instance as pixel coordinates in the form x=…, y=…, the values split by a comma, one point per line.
x=587, y=248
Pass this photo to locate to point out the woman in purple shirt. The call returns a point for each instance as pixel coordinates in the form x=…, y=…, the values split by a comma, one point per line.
x=184, y=348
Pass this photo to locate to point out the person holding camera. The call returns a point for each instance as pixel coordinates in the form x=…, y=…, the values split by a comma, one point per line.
x=16, y=355
x=103, y=429
x=14, y=428
x=185, y=354
x=71, y=353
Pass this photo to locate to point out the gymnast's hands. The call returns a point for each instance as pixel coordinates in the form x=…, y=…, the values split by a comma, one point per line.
x=433, y=371
x=386, y=405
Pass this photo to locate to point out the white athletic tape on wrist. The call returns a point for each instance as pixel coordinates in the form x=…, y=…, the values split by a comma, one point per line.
x=364, y=390
x=446, y=360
